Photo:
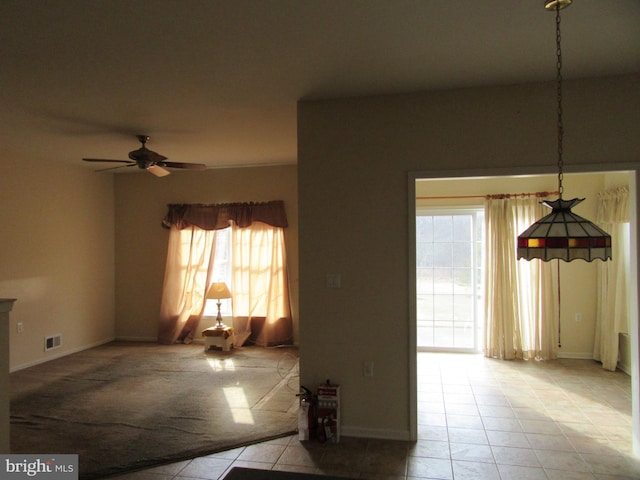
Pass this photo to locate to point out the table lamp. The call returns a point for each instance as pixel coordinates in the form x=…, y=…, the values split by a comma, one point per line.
x=218, y=291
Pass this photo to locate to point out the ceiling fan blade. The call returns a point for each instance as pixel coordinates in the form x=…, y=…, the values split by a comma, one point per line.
x=107, y=160
x=158, y=171
x=115, y=168
x=189, y=166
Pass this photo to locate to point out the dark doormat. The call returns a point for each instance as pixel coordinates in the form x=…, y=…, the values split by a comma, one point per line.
x=241, y=473
x=126, y=406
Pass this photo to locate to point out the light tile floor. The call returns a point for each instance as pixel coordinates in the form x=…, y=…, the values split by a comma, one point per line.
x=479, y=419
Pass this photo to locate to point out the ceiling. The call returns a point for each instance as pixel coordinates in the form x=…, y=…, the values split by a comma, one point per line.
x=217, y=82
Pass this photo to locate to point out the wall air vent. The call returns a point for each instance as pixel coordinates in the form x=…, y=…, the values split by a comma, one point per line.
x=53, y=341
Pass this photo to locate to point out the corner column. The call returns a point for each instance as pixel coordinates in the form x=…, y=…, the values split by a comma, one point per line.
x=6, y=305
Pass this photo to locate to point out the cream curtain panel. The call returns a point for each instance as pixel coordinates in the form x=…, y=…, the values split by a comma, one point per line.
x=521, y=306
x=612, y=316
x=260, y=288
x=187, y=277
x=260, y=285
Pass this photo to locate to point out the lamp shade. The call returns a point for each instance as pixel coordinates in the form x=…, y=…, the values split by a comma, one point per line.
x=557, y=4
x=564, y=235
x=218, y=290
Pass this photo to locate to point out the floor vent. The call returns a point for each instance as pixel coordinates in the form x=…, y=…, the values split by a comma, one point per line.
x=54, y=341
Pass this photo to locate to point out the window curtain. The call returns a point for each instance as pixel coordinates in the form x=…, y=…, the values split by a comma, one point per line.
x=612, y=316
x=187, y=277
x=521, y=305
x=259, y=273
x=261, y=308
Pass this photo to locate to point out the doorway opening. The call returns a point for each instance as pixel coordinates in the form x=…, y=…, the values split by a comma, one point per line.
x=451, y=189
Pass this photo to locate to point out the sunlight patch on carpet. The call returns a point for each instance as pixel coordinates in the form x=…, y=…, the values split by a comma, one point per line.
x=221, y=364
x=238, y=405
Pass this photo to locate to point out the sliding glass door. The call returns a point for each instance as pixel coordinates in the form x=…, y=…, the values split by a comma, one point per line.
x=449, y=279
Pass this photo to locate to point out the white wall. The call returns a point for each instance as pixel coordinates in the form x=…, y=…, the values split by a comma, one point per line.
x=57, y=257
x=141, y=242
x=355, y=159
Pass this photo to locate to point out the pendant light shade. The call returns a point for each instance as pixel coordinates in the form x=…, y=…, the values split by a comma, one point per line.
x=564, y=235
x=557, y=4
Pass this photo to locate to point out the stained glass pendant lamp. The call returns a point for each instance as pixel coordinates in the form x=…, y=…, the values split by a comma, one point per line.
x=562, y=234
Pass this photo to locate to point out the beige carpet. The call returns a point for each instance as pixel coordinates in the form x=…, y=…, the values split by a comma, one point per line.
x=124, y=406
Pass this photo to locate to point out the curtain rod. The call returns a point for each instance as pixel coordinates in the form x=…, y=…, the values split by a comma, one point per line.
x=492, y=196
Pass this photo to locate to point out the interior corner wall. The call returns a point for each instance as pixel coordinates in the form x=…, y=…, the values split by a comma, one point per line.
x=141, y=242
x=57, y=257
x=354, y=160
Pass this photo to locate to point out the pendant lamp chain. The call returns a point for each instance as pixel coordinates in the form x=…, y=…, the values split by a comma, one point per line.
x=562, y=234
x=559, y=98
x=560, y=144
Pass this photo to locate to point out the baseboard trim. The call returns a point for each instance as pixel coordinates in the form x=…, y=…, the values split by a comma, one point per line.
x=625, y=368
x=136, y=339
x=383, y=434
x=60, y=355
x=589, y=356
x=576, y=355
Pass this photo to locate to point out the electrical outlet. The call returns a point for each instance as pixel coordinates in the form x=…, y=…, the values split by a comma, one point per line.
x=20, y=327
x=333, y=280
x=578, y=317
x=367, y=369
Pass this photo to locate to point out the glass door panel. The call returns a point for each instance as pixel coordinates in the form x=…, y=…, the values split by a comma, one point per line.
x=448, y=274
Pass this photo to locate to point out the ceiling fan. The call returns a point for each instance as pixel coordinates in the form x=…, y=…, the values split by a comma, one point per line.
x=148, y=160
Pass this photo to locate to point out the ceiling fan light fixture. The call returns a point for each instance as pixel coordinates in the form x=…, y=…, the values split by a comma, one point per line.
x=148, y=160
x=157, y=171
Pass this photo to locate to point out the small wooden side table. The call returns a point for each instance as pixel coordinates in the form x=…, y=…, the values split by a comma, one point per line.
x=221, y=337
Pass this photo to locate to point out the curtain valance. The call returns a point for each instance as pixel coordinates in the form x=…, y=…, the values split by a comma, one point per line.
x=216, y=217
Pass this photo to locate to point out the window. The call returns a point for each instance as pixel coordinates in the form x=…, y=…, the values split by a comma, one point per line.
x=449, y=279
x=221, y=273
x=250, y=252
